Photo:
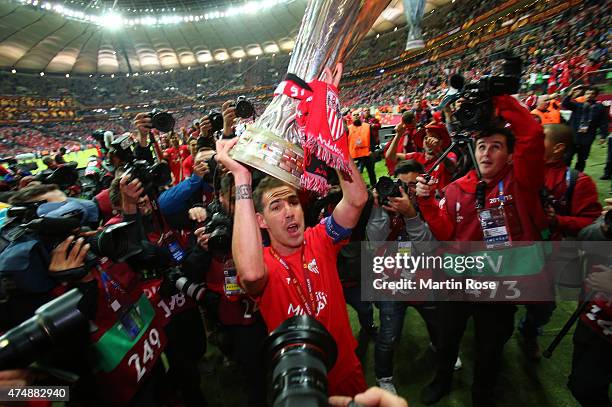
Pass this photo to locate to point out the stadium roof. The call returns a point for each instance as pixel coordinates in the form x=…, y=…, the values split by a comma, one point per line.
x=84, y=37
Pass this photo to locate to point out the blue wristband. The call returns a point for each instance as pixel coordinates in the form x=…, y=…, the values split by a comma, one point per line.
x=335, y=231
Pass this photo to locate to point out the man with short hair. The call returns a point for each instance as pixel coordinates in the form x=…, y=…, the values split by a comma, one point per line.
x=297, y=273
x=546, y=112
x=587, y=119
x=59, y=157
x=513, y=174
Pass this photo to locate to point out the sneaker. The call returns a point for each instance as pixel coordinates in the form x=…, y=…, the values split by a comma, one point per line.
x=386, y=383
x=458, y=364
x=530, y=347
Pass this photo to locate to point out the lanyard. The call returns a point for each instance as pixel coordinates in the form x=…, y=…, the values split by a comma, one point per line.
x=502, y=197
x=106, y=280
x=310, y=306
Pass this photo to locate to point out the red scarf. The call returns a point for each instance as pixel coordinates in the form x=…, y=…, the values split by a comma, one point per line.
x=322, y=130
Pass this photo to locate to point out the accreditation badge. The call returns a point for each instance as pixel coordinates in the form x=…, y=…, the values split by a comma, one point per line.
x=494, y=227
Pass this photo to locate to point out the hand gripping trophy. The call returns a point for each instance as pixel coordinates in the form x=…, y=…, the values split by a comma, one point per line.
x=302, y=133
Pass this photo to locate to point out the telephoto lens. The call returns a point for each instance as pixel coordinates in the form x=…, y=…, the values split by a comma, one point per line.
x=300, y=353
x=58, y=322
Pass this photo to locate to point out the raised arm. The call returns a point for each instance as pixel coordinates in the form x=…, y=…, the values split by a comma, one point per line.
x=354, y=198
x=528, y=156
x=247, y=247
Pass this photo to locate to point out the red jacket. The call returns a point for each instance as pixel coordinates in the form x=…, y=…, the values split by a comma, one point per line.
x=584, y=206
x=455, y=217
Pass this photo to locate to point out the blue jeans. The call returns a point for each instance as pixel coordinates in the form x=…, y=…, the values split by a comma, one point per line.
x=392, y=315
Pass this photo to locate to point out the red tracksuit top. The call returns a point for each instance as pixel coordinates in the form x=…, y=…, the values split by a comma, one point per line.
x=584, y=207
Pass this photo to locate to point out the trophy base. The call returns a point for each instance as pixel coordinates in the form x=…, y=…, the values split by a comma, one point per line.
x=414, y=44
x=265, y=151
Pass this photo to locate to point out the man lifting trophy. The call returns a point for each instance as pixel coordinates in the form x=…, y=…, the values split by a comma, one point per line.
x=301, y=133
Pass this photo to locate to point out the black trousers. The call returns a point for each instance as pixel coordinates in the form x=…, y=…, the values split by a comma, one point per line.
x=186, y=346
x=591, y=374
x=247, y=351
x=493, y=325
x=582, y=151
x=368, y=163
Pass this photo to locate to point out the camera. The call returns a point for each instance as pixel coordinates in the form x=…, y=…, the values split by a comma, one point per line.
x=175, y=280
x=216, y=120
x=244, y=108
x=162, y=120
x=59, y=321
x=387, y=188
x=476, y=110
x=219, y=225
x=300, y=353
x=152, y=176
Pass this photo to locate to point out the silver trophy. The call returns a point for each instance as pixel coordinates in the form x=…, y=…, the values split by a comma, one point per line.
x=330, y=32
x=414, y=9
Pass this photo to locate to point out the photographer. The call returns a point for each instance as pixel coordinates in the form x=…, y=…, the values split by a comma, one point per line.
x=513, y=173
x=197, y=141
x=180, y=315
x=142, y=150
x=435, y=142
x=123, y=319
x=571, y=204
x=184, y=203
x=403, y=141
x=397, y=219
x=239, y=327
x=310, y=253
x=589, y=380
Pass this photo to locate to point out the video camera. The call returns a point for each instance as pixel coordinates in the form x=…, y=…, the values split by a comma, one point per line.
x=476, y=110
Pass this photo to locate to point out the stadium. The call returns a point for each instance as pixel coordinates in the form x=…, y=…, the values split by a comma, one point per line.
x=186, y=220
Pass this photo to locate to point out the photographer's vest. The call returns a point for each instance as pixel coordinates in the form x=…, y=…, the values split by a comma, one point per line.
x=234, y=306
x=359, y=140
x=525, y=221
x=129, y=338
x=168, y=307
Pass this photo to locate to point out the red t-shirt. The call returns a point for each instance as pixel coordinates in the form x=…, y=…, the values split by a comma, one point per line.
x=175, y=159
x=187, y=167
x=280, y=301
